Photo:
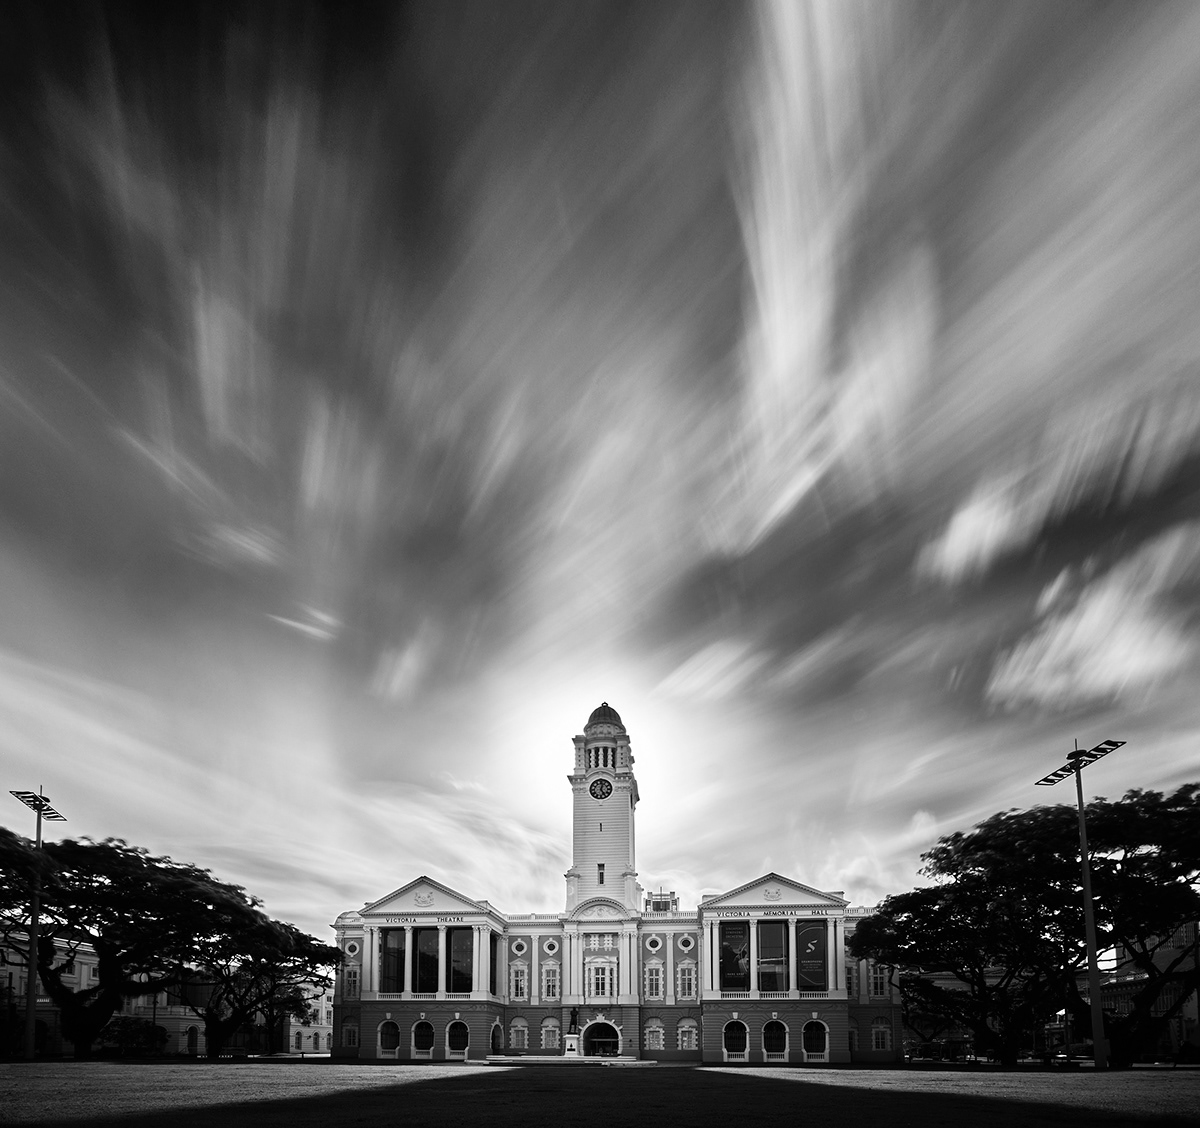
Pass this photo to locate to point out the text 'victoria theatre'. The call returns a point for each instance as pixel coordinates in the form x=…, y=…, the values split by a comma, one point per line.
x=757, y=974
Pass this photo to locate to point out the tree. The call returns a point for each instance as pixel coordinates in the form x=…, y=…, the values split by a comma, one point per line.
x=267, y=967
x=141, y=914
x=996, y=944
x=1146, y=870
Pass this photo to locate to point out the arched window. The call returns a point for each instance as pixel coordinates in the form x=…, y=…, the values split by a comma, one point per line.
x=775, y=1037
x=349, y=1034
x=458, y=1037
x=550, y=1034
x=518, y=1034
x=389, y=1039
x=734, y=1040
x=852, y=1035
x=299, y=1039
x=685, y=979
x=422, y=1040
x=654, y=1034
x=687, y=1034
x=816, y=1041
x=881, y=1034
x=550, y=980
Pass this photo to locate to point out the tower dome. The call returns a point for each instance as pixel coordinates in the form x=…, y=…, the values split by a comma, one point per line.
x=605, y=714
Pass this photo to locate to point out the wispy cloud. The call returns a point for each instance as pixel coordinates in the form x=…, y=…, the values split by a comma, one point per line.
x=1120, y=638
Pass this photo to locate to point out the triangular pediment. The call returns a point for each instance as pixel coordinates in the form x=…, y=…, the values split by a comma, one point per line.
x=771, y=889
x=424, y=895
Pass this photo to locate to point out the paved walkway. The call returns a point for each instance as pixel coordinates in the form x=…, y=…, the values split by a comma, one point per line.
x=294, y=1094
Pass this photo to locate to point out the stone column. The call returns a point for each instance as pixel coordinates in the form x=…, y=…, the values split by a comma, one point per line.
x=835, y=954
x=629, y=958
x=476, y=961
x=754, y=957
x=409, y=956
x=441, y=977
x=830, y=955
x=711, y=963
x=535, y=986
x=793, y=981
x=368, y=960
x=669, y=972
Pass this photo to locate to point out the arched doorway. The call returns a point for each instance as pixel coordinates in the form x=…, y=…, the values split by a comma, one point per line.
x=422, y=1040
x=389, y=1040
x=458, y=1037
x=600, y=1039
x=816, y=1041
x=734, y=1041
x=193, y=1041
x=775, y=1037
x=497, y=1039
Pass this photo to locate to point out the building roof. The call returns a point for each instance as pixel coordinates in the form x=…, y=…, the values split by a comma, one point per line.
x=605, y=714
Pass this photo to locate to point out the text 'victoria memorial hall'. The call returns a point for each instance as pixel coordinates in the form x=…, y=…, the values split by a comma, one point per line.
x=757, y=974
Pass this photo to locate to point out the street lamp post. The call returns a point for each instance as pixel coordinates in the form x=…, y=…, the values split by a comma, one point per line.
x=1076, y=762
x=40, y=804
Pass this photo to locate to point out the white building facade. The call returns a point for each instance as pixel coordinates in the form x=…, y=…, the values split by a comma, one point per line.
x=758, y=974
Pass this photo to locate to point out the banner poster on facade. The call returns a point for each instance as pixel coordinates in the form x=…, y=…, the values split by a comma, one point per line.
x=810, y=957
x=735, y=955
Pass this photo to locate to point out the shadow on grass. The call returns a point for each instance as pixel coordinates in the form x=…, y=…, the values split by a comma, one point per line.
x=607, y=1098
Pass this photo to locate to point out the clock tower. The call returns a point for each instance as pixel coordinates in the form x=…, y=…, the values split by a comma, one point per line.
x=605, y=794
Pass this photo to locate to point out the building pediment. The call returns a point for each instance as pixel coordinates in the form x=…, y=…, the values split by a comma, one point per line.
x=423, y=896
x=600, y=908
x=772, y=890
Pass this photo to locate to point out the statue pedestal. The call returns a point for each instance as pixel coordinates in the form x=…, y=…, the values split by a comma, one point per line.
x=571, y=1045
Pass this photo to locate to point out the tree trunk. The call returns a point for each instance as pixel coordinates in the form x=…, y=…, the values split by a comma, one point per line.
x=218, y=1031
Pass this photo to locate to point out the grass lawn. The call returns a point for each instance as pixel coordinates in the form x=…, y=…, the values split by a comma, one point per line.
x=297, y=1094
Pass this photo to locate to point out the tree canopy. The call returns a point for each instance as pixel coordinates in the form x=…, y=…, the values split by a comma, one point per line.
x=152, y=922
x=266, y=967
x=997, y=942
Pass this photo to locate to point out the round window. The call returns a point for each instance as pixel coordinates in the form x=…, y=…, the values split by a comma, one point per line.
x=352, y=949
x=519, y=947
x=550, y=947
x=687, y=943
x=654, y=943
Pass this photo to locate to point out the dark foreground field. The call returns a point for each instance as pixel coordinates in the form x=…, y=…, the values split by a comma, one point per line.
x=323, y=1095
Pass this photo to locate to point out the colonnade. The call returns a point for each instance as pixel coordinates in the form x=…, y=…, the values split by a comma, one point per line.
x=480, y=961
x=835, y=977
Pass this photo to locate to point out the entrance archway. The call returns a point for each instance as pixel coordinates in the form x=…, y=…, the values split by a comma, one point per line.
x=497, y=1040
x=600, y=1039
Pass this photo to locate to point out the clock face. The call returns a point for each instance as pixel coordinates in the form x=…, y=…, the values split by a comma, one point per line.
x=600, y=789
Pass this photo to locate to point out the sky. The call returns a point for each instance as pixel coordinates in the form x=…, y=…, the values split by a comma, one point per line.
x=384, y=386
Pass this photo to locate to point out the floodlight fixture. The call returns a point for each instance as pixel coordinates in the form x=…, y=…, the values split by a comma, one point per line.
x=1080, y=758
x=1076, y=762
x=40, y=804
